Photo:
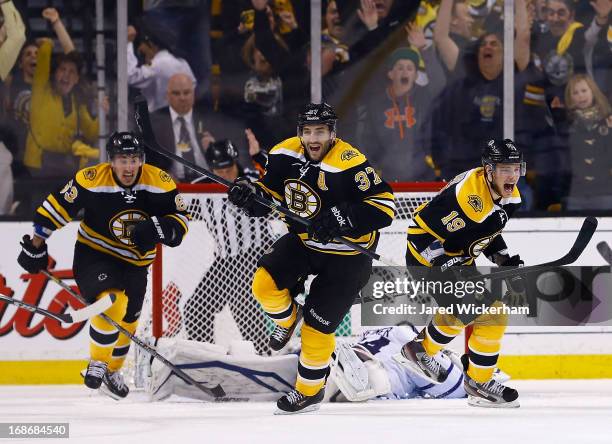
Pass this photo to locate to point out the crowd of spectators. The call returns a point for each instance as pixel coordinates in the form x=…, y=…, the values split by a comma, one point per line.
x=418, y=86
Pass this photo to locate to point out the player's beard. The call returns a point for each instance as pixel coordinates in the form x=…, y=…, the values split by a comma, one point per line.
x=322, y=152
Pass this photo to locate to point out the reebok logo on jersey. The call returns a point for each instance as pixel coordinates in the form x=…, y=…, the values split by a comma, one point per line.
x=318, y=318
x=339, y=217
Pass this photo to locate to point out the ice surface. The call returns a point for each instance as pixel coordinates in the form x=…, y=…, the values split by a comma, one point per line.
x=563, y=411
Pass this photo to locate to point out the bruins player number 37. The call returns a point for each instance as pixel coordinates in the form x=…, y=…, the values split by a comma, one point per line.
x=330, y=183
x=129, y=207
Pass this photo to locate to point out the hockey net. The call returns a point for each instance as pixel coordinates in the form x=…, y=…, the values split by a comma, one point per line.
x=202, y=290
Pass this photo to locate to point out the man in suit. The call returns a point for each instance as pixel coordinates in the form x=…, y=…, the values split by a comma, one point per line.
x=189, y=131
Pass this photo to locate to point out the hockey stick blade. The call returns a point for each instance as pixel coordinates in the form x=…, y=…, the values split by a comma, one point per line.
x=143, y=121
x=94, y=309
x=73, y=317
x=605, y=251
x=216, y=391
x=582, y=240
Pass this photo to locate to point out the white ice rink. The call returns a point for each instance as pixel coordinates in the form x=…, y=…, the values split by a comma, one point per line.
x=568, y=411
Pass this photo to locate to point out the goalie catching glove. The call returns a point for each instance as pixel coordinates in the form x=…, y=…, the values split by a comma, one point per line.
x=32, y=258
x=147, y=233
x=331, y=223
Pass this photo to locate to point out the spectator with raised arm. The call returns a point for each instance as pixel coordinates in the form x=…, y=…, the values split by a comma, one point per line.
x=151, y=78
x=470, y=109
x=452, y=33
x=393, y=124
x=12, y=38
x=60, y=121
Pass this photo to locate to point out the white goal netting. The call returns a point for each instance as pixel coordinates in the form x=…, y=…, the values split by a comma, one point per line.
x=202, y=289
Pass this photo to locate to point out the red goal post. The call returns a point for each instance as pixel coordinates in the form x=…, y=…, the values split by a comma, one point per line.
x=218, y=256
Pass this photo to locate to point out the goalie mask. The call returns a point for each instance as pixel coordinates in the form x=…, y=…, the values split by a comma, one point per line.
x=126, y=143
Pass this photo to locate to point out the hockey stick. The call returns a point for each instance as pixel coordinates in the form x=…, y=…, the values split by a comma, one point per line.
x=74, y=317
x=216, y=392
x=582, y=240
x=141, y=115
x=584, y=236
x=605, y=251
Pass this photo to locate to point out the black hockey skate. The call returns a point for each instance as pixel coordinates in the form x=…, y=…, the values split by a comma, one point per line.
x=414, y=357
x=94, y=374
x=114, y=385
x=488, y=394
x=296, y=402
x=281, y=335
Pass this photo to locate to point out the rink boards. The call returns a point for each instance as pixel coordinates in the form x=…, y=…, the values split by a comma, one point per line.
x=29, y=343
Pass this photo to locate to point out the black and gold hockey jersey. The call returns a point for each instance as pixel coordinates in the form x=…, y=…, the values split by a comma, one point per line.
x=461, y=220
x=111, y=210
x=343, y=176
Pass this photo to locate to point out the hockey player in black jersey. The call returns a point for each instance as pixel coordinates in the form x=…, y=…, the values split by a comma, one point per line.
x=329, y=182
x=129, y=207
x=464, y=220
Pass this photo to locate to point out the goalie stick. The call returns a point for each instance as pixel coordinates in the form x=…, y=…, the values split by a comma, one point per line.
x=216, y=391
x=141, y=115
x=605, y=251
x=74, y=317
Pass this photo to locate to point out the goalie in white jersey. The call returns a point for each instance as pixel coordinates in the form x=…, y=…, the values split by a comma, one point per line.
x=361, y=371
x=366, y=370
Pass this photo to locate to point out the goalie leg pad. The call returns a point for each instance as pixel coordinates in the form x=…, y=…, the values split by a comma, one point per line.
x=277, y=303
x=358, y=374
x=102, y=335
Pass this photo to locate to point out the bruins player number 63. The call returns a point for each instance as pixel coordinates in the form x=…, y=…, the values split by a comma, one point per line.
x=327, y=181
x=129, y=207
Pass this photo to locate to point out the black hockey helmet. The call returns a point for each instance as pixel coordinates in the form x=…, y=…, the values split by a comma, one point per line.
x=317, y=114
x=124, y=143
x=221, y=154
x=502, y=151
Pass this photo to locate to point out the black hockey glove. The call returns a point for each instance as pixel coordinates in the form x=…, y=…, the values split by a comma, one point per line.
x=242, y=194
x=147, y=233
x=516, y=296
x=33, y=259
x=331, y=223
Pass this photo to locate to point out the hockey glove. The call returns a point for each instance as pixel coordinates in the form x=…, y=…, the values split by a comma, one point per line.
x=331, y=223
x=147, y=233
x=516, y=295
x=33, y=259
x=242, y=194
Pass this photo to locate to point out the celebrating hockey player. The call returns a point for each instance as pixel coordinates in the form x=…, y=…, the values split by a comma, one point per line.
x=330, y=183
x=129, y=207
x=463, y=220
